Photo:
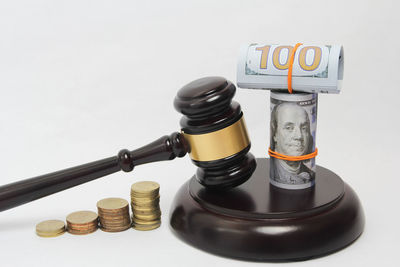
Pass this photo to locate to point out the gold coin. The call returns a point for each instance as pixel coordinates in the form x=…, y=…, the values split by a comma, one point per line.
x=141, y=227
x=145, y=197
x=133, y=197
x=86, y=225
x=146, y=212
x=88, y=229
x=116, y=224
x=103, y=219
x=50, y=228
x=145, y=187
x=116, y=229
x=145, y=207
x=148, y=196
x=50, y=235
x=115, y=214
x=89, y=225
x=145, y=222
x=112, y=204
x=112, y=211
x=116, y=220
x=145, y=201
x=121, y=226
x=82, y=217
x=150, y=217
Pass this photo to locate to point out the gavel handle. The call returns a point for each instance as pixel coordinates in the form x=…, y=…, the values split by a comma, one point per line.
x=18, y=193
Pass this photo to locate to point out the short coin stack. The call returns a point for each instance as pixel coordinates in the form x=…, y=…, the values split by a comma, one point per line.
x=114, y=214
x=145, y=201
x=82, y=222
x=50, y=228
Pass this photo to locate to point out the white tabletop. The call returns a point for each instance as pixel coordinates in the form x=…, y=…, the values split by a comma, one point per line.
x=80, y=80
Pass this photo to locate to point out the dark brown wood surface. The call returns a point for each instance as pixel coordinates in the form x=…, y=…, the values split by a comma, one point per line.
x=257, y=221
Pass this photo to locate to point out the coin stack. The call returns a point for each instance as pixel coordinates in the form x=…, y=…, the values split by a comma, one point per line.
x=114, y=214
x=145, y=202
x=82, y=222
x=50, y=228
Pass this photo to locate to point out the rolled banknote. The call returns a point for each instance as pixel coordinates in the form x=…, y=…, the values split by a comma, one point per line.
x=316, y=68
x=293, y=131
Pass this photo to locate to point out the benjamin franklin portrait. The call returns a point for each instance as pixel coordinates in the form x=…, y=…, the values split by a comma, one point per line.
x=291, y=136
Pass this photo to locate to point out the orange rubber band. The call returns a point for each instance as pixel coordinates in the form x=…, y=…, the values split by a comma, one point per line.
x=289, y=75
x=292, y=158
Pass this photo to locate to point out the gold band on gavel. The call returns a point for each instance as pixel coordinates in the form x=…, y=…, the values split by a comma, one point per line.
x=219, y=144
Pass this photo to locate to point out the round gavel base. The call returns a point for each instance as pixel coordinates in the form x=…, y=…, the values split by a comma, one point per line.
x=259, y=222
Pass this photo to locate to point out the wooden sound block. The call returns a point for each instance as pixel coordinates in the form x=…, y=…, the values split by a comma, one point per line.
x=259, y=222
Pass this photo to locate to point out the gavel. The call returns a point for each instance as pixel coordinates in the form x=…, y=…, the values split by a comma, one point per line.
x=213, y=133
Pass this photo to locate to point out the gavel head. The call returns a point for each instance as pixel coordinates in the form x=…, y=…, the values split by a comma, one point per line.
x=214, y=127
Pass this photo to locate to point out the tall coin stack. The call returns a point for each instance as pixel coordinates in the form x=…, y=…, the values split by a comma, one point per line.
x=145, y=201
x=114, y=214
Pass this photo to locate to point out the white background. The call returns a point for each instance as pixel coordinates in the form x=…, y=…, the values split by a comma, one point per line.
x=79, y=80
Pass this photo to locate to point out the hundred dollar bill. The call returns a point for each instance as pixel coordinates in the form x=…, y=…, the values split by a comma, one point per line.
x=316, y=68
x=293, y=130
